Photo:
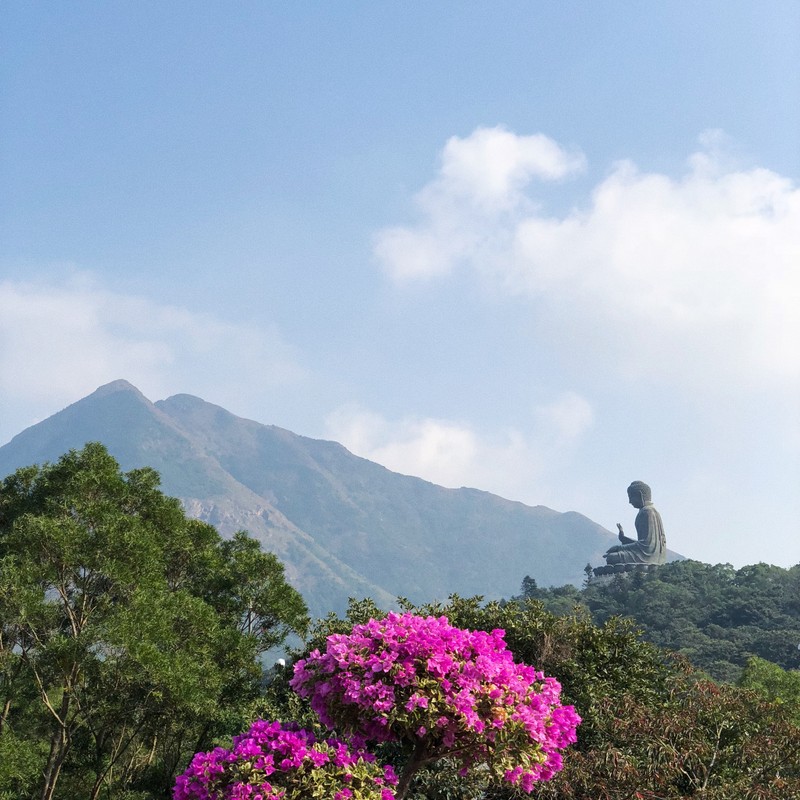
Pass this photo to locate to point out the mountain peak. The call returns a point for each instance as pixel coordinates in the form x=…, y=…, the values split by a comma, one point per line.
x=119, y=385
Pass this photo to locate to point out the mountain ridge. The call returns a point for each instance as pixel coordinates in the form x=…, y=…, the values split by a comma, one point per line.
x=343, y=526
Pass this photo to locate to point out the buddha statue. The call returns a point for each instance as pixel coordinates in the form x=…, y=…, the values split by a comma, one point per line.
x=650, y=545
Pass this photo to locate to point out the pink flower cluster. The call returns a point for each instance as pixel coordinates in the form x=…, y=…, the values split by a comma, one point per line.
x=451, y=690
x=284, y=762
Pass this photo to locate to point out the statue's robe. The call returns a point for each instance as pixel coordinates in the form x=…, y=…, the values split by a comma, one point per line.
x=651, y=546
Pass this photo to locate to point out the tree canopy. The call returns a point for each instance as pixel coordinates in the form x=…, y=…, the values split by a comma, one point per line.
x=130, y=634
x=131, y=639
x=717, y=616
x=651, y=724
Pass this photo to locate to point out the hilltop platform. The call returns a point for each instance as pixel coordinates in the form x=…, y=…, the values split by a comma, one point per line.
x=616, y=569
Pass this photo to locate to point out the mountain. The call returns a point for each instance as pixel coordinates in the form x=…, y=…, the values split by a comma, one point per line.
x=342, y=525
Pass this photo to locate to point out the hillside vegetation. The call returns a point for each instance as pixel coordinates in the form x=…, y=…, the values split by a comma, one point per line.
x=131, y=637
x=717, y=616
x=652, y=729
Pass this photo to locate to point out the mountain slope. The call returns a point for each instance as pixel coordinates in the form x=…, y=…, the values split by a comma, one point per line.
x=344, y=526
x=138, y=434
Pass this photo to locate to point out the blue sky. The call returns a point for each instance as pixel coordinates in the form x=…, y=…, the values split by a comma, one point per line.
x=543, y=249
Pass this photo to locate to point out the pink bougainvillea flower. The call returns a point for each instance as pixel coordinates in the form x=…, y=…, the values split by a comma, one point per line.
x=449, y=690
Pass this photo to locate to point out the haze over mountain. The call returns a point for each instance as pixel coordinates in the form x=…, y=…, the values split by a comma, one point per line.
x=342, y=525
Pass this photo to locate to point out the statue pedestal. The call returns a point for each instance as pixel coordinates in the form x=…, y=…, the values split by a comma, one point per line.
x=615, y=569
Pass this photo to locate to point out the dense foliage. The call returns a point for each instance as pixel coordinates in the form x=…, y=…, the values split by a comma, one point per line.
x=701, y=741
x=130, y=639
x=777, y=685
x=651, y=725
x=717, y=616
x=130, y=636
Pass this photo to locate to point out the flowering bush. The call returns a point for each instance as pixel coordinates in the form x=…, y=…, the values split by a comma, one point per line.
x=284, y=762
x=443, y=690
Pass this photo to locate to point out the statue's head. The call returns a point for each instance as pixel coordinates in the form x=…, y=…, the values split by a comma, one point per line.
x=638, y=494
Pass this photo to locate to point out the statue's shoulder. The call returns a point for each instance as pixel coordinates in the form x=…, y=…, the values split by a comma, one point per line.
x=648, y=510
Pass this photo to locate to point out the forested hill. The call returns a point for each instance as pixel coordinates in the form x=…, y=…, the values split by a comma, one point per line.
x=717, y=616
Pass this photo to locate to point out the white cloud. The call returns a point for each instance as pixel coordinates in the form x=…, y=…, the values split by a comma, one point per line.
x=511, y=463
x=439, y=450
x=692, y=280
x=565, y=419
x=492, y=166
x=480, y=183
x=60, y=341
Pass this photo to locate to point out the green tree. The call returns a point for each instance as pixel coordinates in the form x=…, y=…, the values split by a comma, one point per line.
x=700, y=741
x=716, y=616
x=781, y=686
x=130, y=634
